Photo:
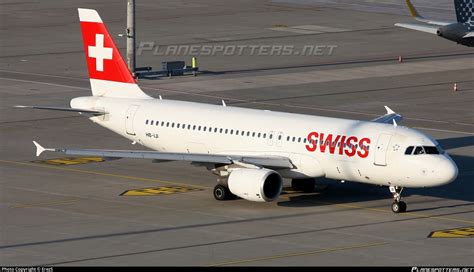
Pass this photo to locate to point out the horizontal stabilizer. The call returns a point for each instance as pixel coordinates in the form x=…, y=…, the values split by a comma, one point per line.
x=95, y=112
x=423, y=28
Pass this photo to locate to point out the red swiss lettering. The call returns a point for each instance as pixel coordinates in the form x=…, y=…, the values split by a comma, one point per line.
x=364, y=151
x=352, y=150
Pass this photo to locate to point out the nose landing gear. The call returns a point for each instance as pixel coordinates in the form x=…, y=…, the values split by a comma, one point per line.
x=398, y=206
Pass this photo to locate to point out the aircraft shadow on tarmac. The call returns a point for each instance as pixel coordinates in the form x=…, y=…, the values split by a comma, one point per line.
x=351, y=192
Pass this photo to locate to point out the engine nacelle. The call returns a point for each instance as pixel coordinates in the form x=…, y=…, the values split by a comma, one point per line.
x=260, y=185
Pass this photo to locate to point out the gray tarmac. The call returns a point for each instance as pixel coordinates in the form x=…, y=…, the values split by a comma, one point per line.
x=60, y=213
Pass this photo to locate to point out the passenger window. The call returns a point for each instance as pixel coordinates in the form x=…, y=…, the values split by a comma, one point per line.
x=204, y=129
x=157, y=123
x=258, y=135
x=215, y=130
x=264, y=135
x=226, y=130
x=253, y=134
x=279, y=137
x=288, y=138
x=177, y=125
x=231, y=132
x=242, y=133
x=237, y=132
x=151, y=122
x=189, y=126
x=304, y=140
x=199, y=128
x=248, y=133
x=409, y=150
x=270, y=136
x=299, y=139
x=419, y=150
x=167, y=124
x=293, y=139
x=172, y=125
x=146, y=122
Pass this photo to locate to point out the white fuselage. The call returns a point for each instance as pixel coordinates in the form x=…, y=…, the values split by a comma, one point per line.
x=202, y=128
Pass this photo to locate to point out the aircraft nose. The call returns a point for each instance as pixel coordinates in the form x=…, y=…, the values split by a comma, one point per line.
x=447, y=171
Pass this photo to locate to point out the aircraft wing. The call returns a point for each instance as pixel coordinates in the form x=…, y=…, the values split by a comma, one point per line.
x=424, y=28
x=390, y=117
x=95, y=112
x=274, y=162
x=414, y=13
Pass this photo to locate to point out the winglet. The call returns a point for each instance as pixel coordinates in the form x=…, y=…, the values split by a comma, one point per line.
x=412, y=9
x=40, y=149
x=389, y=110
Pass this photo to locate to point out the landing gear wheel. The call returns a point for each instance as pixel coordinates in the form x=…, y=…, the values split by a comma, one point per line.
x=221, y=192
x=305, y=185
x=396, y=207
x=403, y=206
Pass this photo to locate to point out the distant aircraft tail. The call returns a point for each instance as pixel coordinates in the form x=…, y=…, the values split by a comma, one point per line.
x=464, y=10
x=108, y=72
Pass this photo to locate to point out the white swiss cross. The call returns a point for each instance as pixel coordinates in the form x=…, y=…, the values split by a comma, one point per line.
x=99, y=52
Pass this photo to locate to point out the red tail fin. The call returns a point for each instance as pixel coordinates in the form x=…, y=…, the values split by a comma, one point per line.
x=107, y=69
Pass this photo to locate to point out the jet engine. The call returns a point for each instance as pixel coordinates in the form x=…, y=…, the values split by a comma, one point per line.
x=260, y=185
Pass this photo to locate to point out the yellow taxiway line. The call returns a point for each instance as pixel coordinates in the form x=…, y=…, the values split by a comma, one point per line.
x=103, y=174
x=295, y=254
x=206, y=187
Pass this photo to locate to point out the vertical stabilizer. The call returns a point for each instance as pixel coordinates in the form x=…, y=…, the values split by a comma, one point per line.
x=108, y=72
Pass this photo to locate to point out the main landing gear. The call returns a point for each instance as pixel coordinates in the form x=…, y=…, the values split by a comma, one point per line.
x=305, y=185
x=397, y=205
x=222, y=192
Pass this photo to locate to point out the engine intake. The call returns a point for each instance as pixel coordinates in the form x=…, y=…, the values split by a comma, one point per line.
x=260, y=185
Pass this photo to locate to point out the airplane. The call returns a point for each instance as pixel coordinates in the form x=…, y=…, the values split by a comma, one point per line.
x=461, y=31
x=250, y=150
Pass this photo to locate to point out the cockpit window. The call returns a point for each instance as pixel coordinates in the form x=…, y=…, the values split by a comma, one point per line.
x=419, y=150
x=431, y=150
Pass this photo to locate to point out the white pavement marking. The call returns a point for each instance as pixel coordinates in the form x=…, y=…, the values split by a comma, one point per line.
x=45, y=83
x=263, y=81
x=308, y=29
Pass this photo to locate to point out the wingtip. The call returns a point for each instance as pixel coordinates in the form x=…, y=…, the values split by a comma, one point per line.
x=39, y=148
x=413, y=12
x=389, y=110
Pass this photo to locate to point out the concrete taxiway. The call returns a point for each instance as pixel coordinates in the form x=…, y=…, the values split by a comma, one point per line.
x=70, y=211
